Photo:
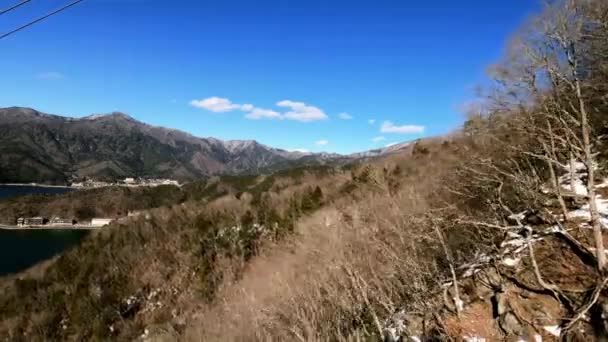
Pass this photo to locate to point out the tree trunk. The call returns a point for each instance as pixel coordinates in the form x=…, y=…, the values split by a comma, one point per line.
x=572, y=173
x=556, y=186
x=589, y=161
x=458, y=304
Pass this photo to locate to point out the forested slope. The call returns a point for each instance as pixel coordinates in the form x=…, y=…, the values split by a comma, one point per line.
x=494, y=232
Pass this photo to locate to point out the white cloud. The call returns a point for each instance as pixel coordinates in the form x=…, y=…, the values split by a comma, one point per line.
x=301, y=111
x=389, y=127
x=345, y=116
x=391, y=144
x=247, y=107
x=371, y=121
x=322, y=142
x=301, y=150
x=259, y=113
x=217, y=104
x=378, y=139
x=51, y=75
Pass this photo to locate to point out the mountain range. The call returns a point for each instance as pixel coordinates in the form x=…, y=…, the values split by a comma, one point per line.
x=45, y=148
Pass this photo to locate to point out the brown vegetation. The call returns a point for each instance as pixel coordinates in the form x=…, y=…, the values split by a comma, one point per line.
x=333, y=254
x=85, y=204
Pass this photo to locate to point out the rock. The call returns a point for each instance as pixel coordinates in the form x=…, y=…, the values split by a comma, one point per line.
x=506, y=318
x=132, y=305
x=511, y=325
x=527, y=217
x=403, y=324
x=535, y=218
x=494, y=279
x=574, y=201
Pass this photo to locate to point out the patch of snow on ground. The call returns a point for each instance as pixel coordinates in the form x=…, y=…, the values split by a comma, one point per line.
x=511, y=262
x=602, y=203
x=602, y=208
x=481, y=259
x=579, y=166
x=513, y=235
x=145, y=334
x=553, y=229
x=514, y=242
x=518, y=217
x=474, y=339
x=473, y=270
x=554, y=330
x=579, y=187
x=519, y=243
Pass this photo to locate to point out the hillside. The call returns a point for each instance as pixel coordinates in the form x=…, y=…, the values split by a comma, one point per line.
x=38, y=147
x=313, y=252
x=495, y=233
x=116, y=201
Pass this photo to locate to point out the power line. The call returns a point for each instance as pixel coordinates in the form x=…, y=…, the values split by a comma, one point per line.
x=39, y=19
x=14, y=6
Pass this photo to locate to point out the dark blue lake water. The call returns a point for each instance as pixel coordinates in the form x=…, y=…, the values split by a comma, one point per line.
x=20, y=249
x=17, y=190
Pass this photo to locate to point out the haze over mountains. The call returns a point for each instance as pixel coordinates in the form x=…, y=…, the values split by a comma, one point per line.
x=39, y=147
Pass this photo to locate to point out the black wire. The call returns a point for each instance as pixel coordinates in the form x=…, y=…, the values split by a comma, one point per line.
x=14, y=6
x=39, y=19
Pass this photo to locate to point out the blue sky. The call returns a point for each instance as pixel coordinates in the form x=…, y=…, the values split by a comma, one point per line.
x=281, y=72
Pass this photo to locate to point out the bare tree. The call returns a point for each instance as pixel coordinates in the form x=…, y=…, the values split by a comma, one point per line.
x=565, y=27
x=543, y=80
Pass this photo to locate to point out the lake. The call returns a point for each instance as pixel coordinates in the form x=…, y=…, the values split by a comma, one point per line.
x=16, y=190
x=20, y=249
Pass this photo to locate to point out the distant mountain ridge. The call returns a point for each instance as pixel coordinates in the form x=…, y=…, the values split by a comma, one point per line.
x=46, y=148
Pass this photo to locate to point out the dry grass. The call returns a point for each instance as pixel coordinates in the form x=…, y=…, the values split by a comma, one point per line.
x=346, y=270
x=370, y=251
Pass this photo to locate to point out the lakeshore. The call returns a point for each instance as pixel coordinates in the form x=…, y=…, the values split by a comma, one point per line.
x=38, y=185
x=50, y=227
x=22, y=247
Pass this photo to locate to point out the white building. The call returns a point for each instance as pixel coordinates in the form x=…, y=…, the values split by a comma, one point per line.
x=170, y=182
x=100, y=222
x=58, y=221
